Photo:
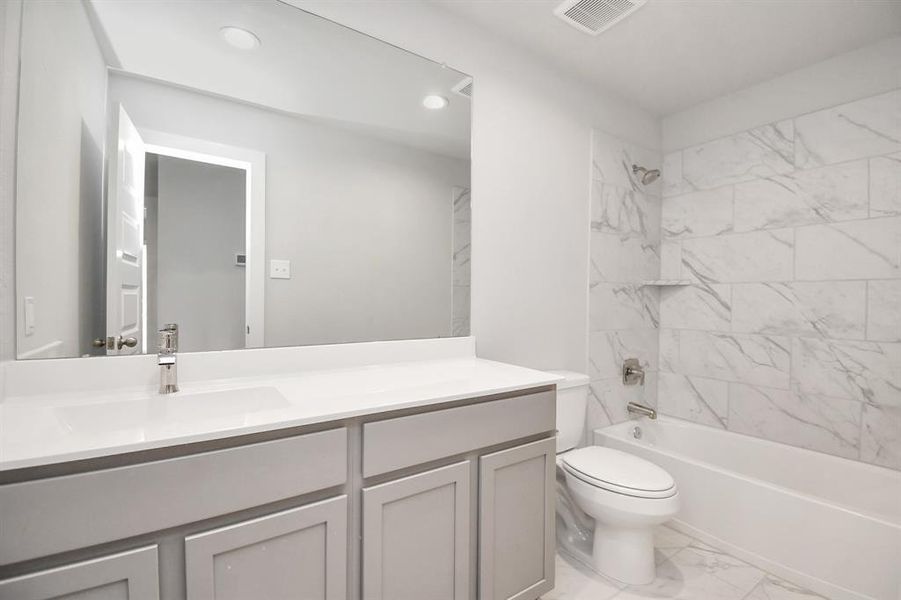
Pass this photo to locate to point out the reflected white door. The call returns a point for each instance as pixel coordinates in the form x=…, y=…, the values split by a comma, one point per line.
x=125, y=240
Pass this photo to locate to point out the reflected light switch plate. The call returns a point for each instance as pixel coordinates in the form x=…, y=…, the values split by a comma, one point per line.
x=280, y=269
x=29, y=315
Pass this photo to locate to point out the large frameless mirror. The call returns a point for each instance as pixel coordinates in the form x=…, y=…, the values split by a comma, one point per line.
x=252, y=172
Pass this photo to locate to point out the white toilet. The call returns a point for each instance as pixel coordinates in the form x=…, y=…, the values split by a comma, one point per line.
x=625, y=495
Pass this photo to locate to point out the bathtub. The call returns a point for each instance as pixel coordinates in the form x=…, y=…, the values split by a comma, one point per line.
x=829, y=524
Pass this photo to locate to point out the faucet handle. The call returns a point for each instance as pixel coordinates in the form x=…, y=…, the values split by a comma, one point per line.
x=168, y=338
x=633, y=373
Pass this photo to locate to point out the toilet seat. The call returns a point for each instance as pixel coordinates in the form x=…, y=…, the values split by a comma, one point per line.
x=619, y=472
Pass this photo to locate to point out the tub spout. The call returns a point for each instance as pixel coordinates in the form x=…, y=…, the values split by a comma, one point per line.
x=641, y=409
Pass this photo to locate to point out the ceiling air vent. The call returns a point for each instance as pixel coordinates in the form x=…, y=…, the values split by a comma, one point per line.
x=595, y=16
x=464, y=88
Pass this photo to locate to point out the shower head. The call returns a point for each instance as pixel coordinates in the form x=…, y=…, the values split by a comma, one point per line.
x=646, y=176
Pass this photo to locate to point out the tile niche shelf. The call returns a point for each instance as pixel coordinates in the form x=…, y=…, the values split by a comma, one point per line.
x=665, y=282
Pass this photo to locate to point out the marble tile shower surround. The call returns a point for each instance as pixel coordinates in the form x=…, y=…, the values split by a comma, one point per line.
x=791, y=235
x=624, y=315
x=462, y=257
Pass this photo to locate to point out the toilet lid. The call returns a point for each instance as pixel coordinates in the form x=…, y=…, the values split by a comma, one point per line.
x=618, y=471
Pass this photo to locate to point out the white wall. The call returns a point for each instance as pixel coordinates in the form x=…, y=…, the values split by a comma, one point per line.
x=365, y=223
x=530, y=183
x=865, y=72
x=59, y=178
x=200, y=228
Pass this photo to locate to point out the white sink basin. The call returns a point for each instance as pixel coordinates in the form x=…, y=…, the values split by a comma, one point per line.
x=168, y=411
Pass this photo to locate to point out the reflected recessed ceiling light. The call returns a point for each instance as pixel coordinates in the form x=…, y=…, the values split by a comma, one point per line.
x=434, y=102
x=240, y=38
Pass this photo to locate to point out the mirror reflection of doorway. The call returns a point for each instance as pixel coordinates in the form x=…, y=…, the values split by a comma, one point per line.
x=185, y=242
x=195, y=234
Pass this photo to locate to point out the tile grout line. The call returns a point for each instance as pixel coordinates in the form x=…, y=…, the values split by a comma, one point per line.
x=732, y=234
x=765, y=334
x=794, y=171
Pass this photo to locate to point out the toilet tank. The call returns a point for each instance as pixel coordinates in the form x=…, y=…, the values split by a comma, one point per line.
x=572, y=400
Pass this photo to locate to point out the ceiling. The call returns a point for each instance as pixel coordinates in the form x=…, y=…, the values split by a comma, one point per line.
x=305, y=66
x=673, y=54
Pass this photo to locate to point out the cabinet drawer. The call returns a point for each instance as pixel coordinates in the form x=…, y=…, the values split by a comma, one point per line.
x=406, y=441
x=43, y=517
x=132, y=575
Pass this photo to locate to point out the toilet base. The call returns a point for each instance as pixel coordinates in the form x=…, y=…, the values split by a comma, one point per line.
x=626, y=555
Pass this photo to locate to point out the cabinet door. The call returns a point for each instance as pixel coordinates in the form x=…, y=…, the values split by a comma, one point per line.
x=416, y=536
x=516, y=522
x=130, y=575
x=299, y=553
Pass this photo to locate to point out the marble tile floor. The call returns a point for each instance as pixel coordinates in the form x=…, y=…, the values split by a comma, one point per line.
x=687, y=569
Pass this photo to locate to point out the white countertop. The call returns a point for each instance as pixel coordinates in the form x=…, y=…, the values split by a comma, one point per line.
x=47, y=429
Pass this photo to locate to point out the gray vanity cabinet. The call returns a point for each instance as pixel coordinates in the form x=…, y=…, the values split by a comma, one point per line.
x=416, y=536
x=516, y=522
x=130, y=575
x=298, y=553
x=449, y=502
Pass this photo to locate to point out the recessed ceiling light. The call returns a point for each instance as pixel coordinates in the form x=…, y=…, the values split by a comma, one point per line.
x=240, y=38
x=434, y=102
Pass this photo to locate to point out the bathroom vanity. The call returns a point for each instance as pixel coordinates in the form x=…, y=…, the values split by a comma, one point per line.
x=430, y=479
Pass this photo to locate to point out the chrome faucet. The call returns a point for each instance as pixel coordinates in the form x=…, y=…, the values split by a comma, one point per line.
x=168, y=346
x=641, y=409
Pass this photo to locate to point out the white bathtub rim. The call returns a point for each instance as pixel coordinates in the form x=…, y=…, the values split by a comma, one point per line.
x=762, y=440
x=730, y=473
x=815, y=584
